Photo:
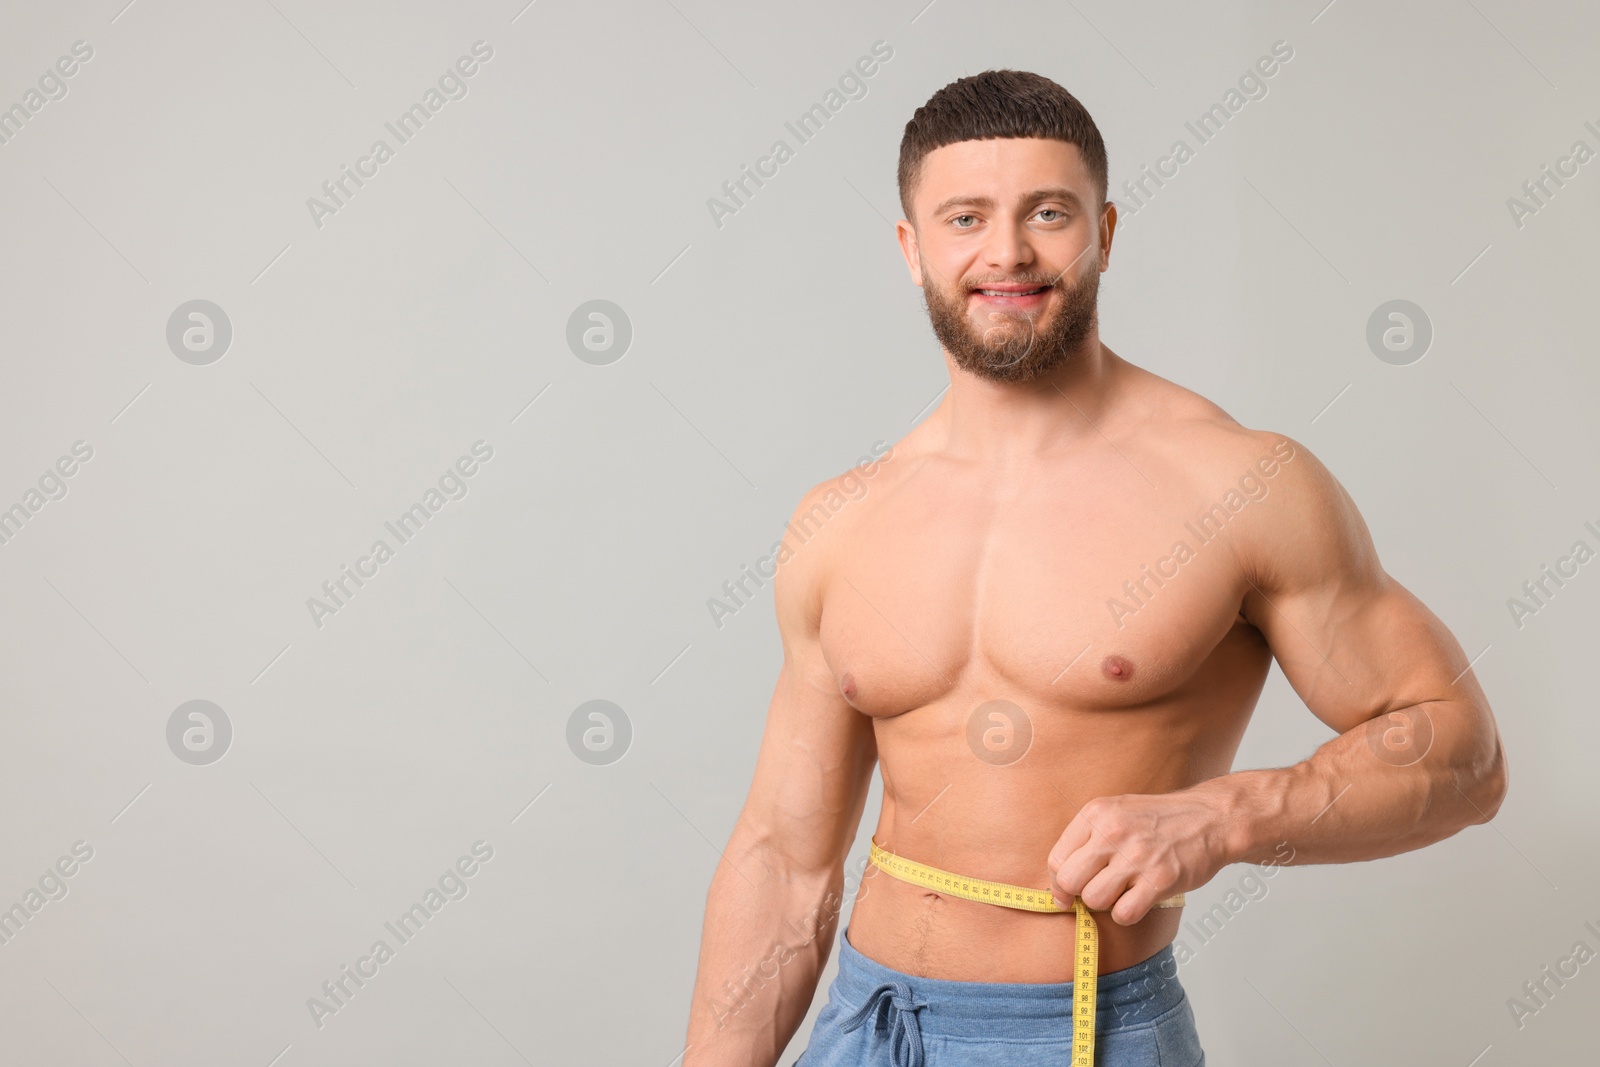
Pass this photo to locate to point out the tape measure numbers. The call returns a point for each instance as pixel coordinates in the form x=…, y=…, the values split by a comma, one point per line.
x=1086, y=941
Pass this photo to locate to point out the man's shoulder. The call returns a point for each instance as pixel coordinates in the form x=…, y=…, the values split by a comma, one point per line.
x=834, y=496
x=1192, y=444
x=817, y=525
x=1192, y=436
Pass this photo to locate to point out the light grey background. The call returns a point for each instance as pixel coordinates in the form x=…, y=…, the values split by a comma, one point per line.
x=431, y=312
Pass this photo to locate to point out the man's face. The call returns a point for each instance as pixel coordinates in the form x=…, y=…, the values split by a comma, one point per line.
x=1007, y=247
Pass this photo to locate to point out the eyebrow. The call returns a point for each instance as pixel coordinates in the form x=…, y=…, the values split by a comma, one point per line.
x=1055, y=192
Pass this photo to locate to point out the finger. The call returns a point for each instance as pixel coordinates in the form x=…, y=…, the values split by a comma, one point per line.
x=1074, y=837
x=1063, y=886
x=1134, y=904
x=1072, y=861
x=1079, y=868
x=1071, y=877
x=1107, y=886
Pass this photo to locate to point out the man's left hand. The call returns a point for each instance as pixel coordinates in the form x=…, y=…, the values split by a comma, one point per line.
x=1126, y=852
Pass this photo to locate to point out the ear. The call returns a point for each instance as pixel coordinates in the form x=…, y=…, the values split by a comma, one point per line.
x=907, y=236
x=1108, y=228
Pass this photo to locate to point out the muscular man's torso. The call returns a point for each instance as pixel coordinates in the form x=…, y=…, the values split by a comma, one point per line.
x=954, y=583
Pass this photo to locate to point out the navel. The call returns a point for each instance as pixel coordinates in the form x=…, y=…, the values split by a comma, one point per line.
x=1119, y=668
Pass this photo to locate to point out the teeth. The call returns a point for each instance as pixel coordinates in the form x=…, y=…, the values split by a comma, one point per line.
x=997, y=292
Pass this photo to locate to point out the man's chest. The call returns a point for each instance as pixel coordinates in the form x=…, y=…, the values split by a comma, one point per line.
x=1089, y=600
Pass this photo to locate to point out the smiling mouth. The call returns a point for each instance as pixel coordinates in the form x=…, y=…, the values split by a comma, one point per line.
x=1011, y=292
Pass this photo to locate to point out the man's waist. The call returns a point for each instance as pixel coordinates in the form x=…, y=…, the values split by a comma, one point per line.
x=968, y=886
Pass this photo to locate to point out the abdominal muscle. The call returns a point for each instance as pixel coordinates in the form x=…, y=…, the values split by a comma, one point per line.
x=920, y=932
x=997, y=824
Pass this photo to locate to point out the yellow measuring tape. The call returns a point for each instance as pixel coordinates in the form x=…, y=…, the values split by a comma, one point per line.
x=1086, y=965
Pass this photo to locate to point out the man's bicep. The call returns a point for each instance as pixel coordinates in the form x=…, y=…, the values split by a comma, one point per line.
x=817, y=752
x=1352, y=641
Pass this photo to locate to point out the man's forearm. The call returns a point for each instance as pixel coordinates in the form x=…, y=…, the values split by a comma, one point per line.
x=767, y=934
x=1391, y=785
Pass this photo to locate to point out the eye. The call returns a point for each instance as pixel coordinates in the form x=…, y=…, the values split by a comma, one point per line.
x=1052, y=211
x=958, y=218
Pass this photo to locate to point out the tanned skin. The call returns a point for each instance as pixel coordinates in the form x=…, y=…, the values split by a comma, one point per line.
x=984, y=564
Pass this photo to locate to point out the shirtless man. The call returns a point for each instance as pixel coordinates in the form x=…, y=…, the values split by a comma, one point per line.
x=1048, y=621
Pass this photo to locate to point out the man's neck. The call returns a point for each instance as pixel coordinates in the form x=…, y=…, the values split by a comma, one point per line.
x=1002, y=423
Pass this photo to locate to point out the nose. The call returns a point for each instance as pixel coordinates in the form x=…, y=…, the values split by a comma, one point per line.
x=1008, y=248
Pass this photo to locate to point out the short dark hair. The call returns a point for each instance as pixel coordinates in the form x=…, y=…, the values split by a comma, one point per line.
x=999, y=103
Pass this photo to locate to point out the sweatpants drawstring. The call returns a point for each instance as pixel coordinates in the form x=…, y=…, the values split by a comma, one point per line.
x=900, y=1009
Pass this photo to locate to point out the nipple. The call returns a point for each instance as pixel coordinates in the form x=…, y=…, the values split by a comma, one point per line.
x=1119, y=668
x=847, y=686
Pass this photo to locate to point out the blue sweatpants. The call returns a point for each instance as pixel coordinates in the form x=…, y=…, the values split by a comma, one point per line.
x=877, y=1015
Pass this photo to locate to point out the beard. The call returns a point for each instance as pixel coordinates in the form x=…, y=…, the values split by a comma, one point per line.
x=1010, y=347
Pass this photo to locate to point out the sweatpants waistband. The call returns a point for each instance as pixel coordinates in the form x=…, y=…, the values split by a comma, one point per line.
x=1126, y=998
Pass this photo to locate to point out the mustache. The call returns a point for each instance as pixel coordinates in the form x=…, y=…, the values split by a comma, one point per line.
x=1036, y=278
x=1025, y=279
